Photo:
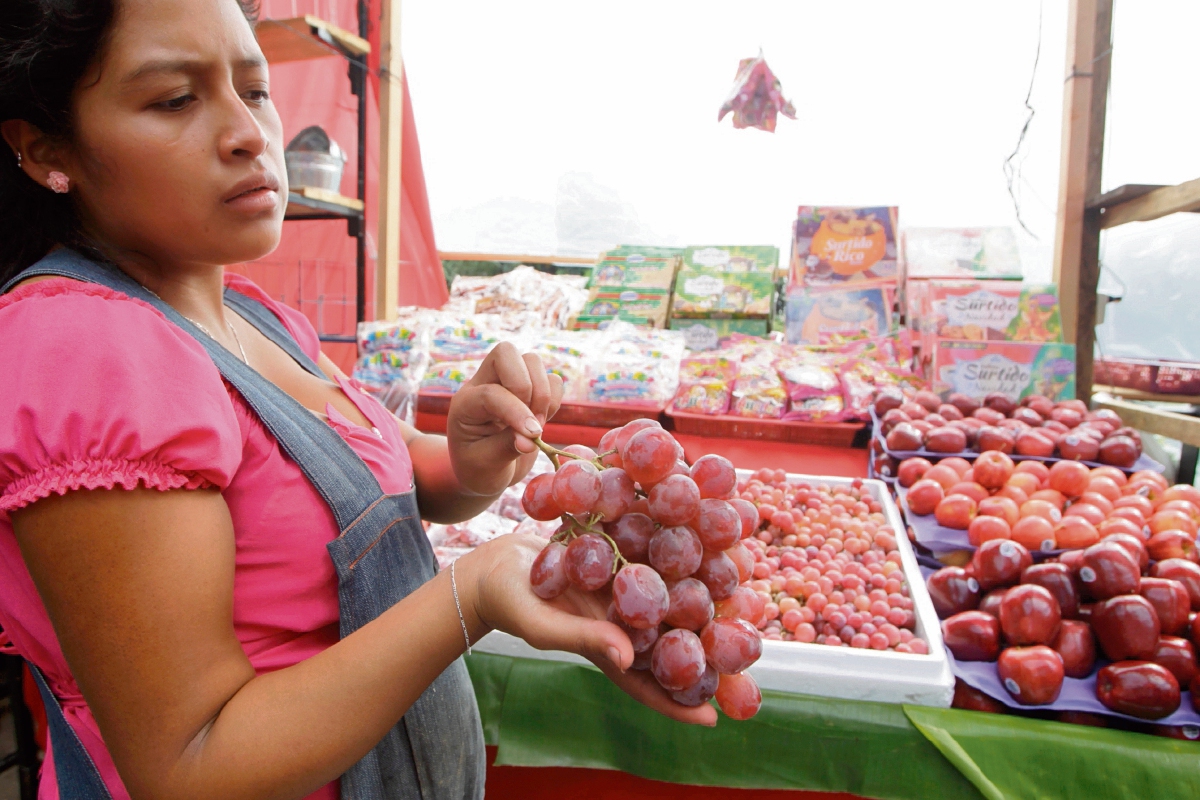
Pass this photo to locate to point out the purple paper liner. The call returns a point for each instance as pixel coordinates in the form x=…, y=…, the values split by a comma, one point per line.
x=1144, y=461
x=941, y=539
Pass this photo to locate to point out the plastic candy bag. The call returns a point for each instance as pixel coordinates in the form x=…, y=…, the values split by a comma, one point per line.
x=757, y=97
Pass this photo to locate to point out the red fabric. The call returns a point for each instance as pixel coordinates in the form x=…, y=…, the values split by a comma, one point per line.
x=313, y=267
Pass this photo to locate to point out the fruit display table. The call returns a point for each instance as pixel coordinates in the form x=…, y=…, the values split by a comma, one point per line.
x=557, y=715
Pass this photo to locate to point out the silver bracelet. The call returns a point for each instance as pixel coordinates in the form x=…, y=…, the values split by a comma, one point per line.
x=461, y=621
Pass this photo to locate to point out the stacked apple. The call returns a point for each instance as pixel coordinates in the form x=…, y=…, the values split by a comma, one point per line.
x=827, y=568
x=1036, y=427
x=1041, y=622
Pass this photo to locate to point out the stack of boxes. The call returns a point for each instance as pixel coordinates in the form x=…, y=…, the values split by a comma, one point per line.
x=631, y=283
x=843, y=274
x=723, y=290
x=980, y=328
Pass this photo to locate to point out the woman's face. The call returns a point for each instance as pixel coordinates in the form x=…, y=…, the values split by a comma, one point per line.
x=178, y=149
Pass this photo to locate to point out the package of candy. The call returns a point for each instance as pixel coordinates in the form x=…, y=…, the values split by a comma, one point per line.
x=520, y=299
x=447, y=377
x=455, y=339
x=705, y=384
x=759, y=392
x=827, y=408
x=809, y=375
x=402, y=334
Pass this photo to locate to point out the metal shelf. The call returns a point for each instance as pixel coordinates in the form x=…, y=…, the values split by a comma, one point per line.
x=303, y=38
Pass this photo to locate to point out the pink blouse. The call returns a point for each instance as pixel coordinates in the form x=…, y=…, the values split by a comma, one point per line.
x=103, y=392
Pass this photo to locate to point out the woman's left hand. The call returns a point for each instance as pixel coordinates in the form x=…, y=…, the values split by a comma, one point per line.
x=494, y=417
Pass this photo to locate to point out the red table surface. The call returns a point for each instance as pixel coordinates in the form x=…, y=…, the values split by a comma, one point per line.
x=809, y=459
x=534, y=783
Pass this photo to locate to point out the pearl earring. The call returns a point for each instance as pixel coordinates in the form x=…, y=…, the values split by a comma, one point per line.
x=19, y=159
x=58, y=182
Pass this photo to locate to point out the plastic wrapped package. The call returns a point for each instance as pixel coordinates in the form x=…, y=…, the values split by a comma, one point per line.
x=759, y=392
x=457, y=339
x=447, y=377
x=635, y=366
x=522, y=298
x=403, y=334
x=706, y=384
x=564, y=353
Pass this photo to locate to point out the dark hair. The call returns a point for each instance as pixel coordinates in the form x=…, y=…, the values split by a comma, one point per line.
x=46, y=46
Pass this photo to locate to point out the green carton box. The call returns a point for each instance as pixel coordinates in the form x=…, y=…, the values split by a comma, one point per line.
x=610, y=302
x=714, y=293
x=590, y=323
x=732, y=258
x=711, y=334
x=635, y=272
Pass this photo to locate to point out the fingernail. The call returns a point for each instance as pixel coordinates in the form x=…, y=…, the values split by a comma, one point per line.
x=523, y=445
x=532, y=427
x=541, y=418
x=614, y=655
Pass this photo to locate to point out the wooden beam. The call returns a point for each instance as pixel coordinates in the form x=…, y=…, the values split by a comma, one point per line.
x=302, y=38
x=1077, y=232
x=1165, y=423
x=513, y=258
x=1155, y=204
x=1128, y=191
x=391, y=132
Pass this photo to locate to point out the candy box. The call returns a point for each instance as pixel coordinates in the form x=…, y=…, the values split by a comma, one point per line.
x=650, y=304
x=817, y=315
x=646, y=250
x=993, y=310
x=585, y=322
x=711, y=334
x=832, y=245
x=1016, y=369
x=735, y=258
x=705, y=292
x=959, y=253
x=635, y=271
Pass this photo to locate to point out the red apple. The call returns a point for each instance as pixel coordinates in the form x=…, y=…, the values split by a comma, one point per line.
x=1120, y=451
x=924, y=497
x=1070, y=477
x=892, y=418
x=993, y=469
x=944, y=474
x=1171, y=520
x=1037, y=507
x=1032, y=675
x=1085, y=510
x=1077, y=446
x=999, y=562
x=904, y=437
x=1035, y=468
x=969, y=489
x=927, y=400
x=1178, y=656
x=1034, y=443
x=972, y=636
x=887, y=399
x=1002, y=507
x=1104, y=485
x=952, y=591
x=936, y=420
x=1107, y=570
x=1170, y=544
x=1035, y=533
x=1075, y=532
x=1067, y=416
x=1057, y=579
x=1051, y=496
x=1077, y=647
x=966, y=405
x=1186, y=572
x=955, y=511
x=1098, y=501
x=914, y=410
x=1117, y=475
x=990, y=602
x=1039, y=403
x=983, y=529
x=949, y=412
x=946, y=440
x=1138, y=688
x=912, y=470
x=1029, y=614
x=1114, y=525
x=1170, y=601
x=1028, y=416
x=998, y=401
x=1126, y=627
x=1053, y=429
x=968, y=698
x=1133, y=545
x=1182, y=491
x=995, y=439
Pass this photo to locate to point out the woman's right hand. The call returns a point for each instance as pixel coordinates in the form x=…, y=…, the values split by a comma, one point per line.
x=575, y=622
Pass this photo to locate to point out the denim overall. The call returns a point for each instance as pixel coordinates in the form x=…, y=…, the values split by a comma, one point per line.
x=436, y=751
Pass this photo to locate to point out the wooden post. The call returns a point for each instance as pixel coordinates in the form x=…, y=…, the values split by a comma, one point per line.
x=391, y=128
x=1077, y=233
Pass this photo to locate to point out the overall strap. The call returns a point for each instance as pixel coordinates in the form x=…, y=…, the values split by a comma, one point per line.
x=331, y=466
x=269, y=325
x=78, y=776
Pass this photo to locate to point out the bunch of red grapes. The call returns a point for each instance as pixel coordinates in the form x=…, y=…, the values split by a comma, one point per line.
x=665, y=539
x=827, y=568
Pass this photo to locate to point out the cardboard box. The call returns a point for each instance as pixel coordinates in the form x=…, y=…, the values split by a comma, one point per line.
x=959, y=253
x=648, y=251
x=817, y=315
x=712, y=334
x=650, y=304
x=1016, y=369
x=993, y=310
x=590, y=323
x=732, y=258
x=635, y=271
x=835, y=245
x=714, y=293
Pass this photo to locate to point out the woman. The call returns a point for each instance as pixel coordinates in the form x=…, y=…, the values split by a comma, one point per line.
x=210, y=549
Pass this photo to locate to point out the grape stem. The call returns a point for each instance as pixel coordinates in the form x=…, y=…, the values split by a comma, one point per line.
x=572, y=528
x=553, y=451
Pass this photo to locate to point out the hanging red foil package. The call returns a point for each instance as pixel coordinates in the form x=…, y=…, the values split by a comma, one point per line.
x=757, y=97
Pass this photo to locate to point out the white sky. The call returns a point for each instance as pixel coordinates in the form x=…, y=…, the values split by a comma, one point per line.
x=915, y=104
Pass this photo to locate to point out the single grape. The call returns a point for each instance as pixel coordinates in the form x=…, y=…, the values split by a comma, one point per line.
x=743, y=559
x=632, y=534
x=626, y=431
x=702, y=692
x=649, y=455
x=718, y=572
x=589, y=562
x=678, y=661
x=584, y=452
x=641, y=661
x=642, y=640
x=718, y=524
x=547, y=575
x=738, y=696
x=674, y=500
x=744, y=603
x=730, y=645
x=680, y=468
x=640, y=596
x=538, y=500
x=714, y=475
x=675, y=552
x=576, y=486
x=616, y=495
x=748, y=513
x=691, y=606
x=609, y=442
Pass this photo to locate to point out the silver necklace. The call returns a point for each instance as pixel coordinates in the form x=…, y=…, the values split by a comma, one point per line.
x=207, y=332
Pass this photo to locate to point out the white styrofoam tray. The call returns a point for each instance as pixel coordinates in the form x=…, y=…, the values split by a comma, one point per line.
x=815, y=669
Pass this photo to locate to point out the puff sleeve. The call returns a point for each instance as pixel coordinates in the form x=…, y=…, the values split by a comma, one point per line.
x=101, y=391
